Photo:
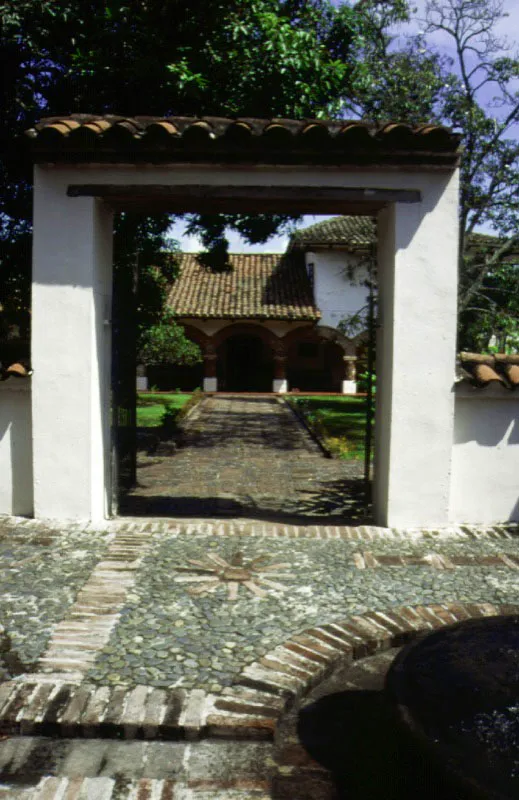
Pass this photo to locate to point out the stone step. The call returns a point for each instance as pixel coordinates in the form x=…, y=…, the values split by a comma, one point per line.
x=38, y=705
x=39, y=768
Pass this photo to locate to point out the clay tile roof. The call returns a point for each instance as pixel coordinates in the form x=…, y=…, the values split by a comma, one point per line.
x=259, y=286
x=482, y=370
x=112, y=138
x=359, y=232
x=354, y=232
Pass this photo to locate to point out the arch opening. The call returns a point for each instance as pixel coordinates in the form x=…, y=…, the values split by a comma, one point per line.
x=245, y=364
x=315, y=364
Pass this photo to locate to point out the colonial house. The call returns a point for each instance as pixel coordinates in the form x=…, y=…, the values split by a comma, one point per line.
x=272, y=322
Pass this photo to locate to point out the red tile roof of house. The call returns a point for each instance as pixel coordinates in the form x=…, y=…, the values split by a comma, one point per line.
x=347, y=231
x=259, y=286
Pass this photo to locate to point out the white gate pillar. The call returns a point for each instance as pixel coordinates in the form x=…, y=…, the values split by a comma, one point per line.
x=418, y=246
x=71, y=345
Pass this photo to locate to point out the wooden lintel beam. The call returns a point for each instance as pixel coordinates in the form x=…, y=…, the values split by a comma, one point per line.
x=192, y=197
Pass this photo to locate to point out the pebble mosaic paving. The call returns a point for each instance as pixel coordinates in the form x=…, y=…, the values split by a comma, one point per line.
x=187, y=610
x=208, y=600
x=41, y=570
x=203, y=607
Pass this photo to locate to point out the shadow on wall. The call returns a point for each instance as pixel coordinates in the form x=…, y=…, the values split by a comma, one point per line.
x=515, y=512
x=489, y=421
x=16, y=476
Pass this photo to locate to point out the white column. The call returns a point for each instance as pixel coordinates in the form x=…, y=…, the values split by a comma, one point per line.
x=71, y=346
x=141, y=379
x=210, y=384
x=349, y=383
x=415, y=357
x=15, y=447
x=280, y=385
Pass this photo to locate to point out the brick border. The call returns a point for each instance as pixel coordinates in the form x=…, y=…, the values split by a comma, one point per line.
x=257, y=528
x=85, y=629
x=270, y=686
x=56, y=705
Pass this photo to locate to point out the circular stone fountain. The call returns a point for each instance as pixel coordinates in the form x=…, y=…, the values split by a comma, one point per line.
x=456, y=693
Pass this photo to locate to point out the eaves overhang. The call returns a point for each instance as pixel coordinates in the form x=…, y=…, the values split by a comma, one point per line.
x=110, y=139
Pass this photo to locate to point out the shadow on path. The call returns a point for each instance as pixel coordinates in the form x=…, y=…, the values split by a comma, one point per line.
x=335, y=503
x=247, y=457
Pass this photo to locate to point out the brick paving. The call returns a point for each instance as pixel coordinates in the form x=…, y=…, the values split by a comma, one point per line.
x=251, y=720
x=246, y=457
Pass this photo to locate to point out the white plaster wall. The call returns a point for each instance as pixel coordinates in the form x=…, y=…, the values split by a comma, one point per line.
x=280, y=385
x=210, y=384
x=16, y=495
x=485, y=456
x=336, y=295
x=416, y=406
x=71, y=352
x=418, y=246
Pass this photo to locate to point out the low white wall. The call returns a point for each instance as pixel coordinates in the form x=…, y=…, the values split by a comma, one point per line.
x=485, y=456
x=16, y=477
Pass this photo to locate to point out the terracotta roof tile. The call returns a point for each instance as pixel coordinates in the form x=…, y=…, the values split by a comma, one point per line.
x=358, y=232
x=109, y=137
x=259, y=286
x=16, y=370
x=483, y=370
x=354, y=232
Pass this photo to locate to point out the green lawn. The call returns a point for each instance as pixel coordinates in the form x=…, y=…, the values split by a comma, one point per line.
x=150, y=407
x=340, y=421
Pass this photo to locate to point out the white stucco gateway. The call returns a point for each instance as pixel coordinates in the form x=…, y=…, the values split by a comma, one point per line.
x=87, y=167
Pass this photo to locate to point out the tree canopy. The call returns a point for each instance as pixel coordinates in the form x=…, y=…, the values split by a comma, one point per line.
x=298, y=58
x=473, y=86
x=223, y=57
x=481, y=98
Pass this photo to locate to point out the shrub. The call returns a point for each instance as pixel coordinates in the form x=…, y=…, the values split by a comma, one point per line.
x=169, y=418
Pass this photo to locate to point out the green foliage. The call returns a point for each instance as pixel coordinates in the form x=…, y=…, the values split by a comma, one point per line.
x=239, y=57
x=174, y=411
x=166, y=343
x=150, y=406
x=169, y=418
x=490, y=165
x=255, y=228
x=362, y=383
x=339, y=422
x=138, y=248
x=301, y=58
x=416, y=83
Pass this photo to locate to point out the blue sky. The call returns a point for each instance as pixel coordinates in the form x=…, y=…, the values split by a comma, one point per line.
x=507, y=28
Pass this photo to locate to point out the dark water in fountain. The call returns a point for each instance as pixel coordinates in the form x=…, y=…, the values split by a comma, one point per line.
x=458, y=691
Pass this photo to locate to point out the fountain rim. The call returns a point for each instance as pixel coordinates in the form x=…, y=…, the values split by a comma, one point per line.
x=437, y=751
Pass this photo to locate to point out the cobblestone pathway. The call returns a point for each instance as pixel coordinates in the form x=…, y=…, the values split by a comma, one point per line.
x=246, y=456
x=157, y=659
